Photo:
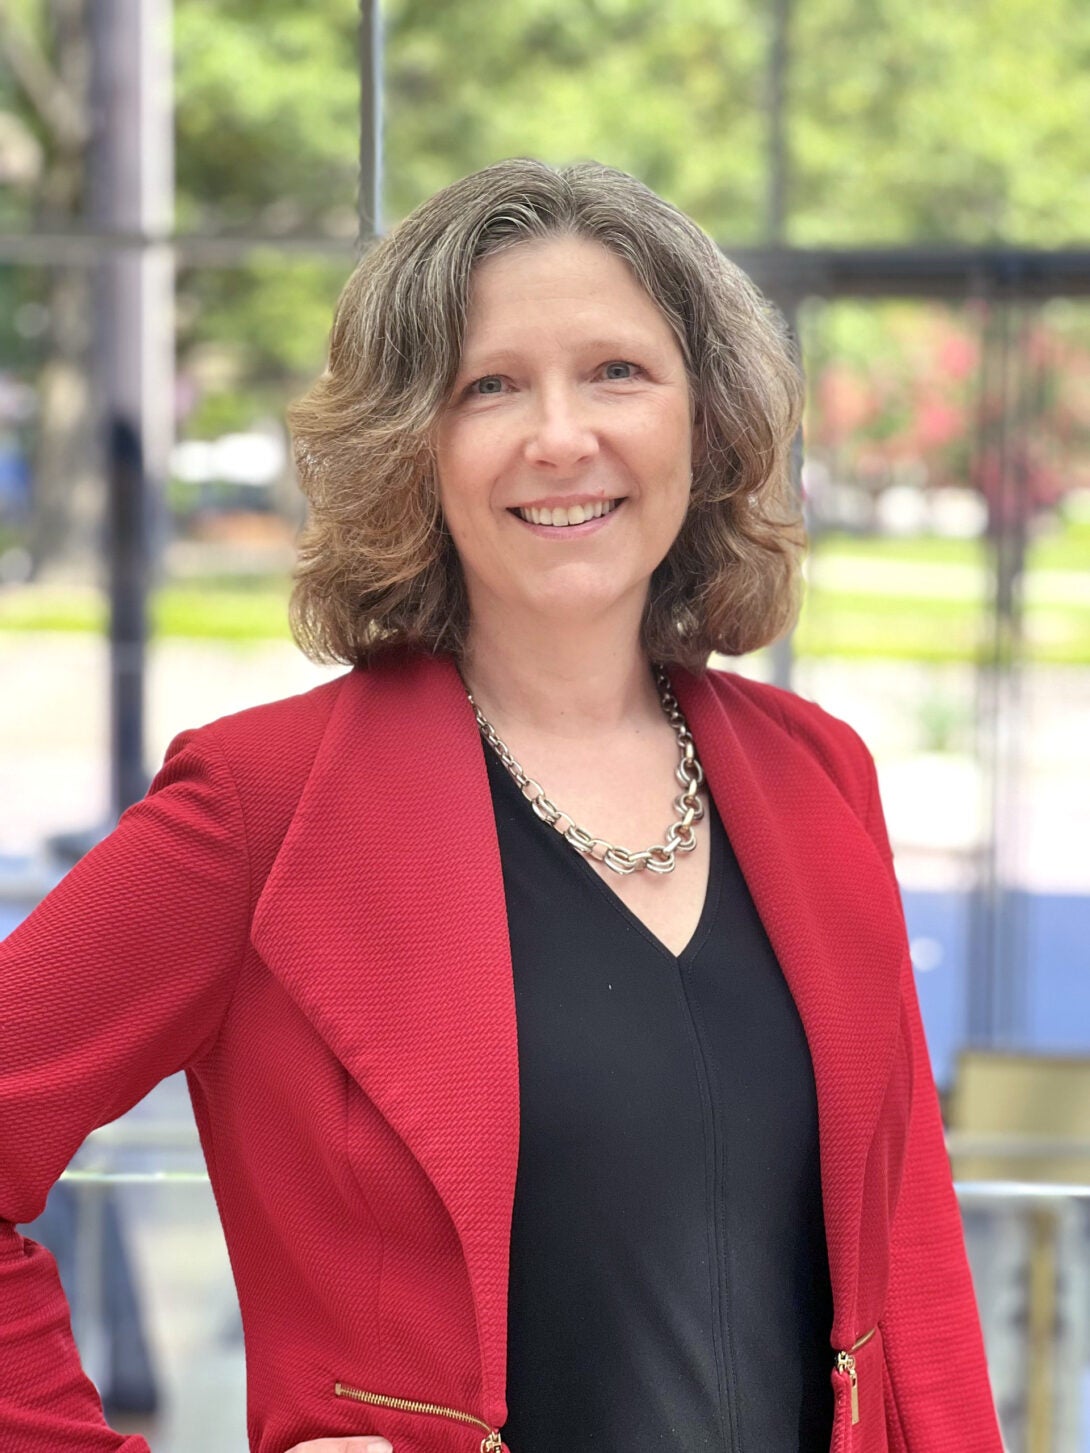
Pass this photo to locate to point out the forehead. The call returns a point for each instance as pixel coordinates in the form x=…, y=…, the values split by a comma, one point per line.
x=559, y=283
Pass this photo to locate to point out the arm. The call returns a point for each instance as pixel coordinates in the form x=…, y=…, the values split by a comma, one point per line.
x=119, y=977
x=931, y=1328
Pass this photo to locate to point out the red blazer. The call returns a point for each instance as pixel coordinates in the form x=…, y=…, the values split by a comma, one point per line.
x=306, y=913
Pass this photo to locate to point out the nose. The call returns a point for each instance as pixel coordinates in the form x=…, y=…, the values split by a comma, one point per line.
x=561, y=430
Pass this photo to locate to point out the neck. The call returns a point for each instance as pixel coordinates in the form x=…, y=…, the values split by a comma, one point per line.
x=572, y=679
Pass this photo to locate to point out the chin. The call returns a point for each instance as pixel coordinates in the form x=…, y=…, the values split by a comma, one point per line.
x=571, y=603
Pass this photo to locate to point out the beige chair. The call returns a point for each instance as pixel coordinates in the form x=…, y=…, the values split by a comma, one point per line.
x=1020, y=1117
x=1026, y=1117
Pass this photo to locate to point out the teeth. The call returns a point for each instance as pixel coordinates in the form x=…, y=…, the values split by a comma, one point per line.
x=574, y=515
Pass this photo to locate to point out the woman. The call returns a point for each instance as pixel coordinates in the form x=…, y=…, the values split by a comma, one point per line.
x=621, y=1136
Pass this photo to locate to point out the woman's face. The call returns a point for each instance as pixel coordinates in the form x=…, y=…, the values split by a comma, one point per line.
x=571, y=397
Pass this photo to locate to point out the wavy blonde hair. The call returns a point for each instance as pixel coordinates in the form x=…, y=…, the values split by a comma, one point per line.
x=377, y=566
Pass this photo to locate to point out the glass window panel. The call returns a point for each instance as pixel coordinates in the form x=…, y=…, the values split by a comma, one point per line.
x=266, y=118
x=249, y=338
x=935, y=442
x=934, y=130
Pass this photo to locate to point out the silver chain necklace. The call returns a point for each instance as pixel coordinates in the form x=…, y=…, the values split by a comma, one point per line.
x=680, y=835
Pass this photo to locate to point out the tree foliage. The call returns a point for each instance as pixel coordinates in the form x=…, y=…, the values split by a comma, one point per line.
x=906, y=121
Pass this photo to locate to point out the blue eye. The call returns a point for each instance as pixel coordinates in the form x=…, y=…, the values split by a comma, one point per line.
x=619, y=364
x=478, y=386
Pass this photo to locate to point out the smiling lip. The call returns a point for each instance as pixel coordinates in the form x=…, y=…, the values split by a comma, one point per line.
x=563, y=501
x=570, y=532
x=551, y=516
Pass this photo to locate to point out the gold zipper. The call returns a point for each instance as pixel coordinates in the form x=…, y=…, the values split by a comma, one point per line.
x=492, y=1444
x=845, y=1362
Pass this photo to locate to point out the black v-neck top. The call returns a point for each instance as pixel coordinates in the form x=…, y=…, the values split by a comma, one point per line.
x=669, y=1280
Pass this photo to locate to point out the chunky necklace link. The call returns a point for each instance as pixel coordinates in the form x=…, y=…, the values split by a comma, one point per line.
x=680, y=836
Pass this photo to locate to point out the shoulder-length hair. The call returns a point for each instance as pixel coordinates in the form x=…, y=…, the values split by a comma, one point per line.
x=376, y=565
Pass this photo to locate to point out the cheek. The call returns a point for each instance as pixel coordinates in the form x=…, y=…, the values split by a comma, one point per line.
x=466, y=462
x=464, y=501
x=665, y=439
x=458, y=515
x=456, y=482
x=669, y=471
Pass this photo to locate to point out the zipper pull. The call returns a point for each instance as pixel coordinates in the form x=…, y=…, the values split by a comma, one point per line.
x=493, y=1443
x=845, y=1362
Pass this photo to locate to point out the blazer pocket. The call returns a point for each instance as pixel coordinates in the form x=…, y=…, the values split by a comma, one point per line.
x=860, y=1398
x=486, y=1438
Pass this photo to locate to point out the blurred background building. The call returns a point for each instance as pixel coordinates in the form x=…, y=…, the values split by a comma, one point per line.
x=183, y=189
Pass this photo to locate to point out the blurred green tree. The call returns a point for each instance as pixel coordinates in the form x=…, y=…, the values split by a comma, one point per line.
x=907, y=120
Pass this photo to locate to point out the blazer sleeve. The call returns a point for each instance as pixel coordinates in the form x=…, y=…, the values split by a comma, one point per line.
x=931, y=1332
x=118, y=978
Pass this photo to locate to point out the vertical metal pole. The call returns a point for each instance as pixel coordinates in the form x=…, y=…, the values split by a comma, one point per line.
x=997, y=947
x=89, y=1318
x=1041, y=1333
x=779, y=16
x=127, y=524
x=132, y=190
x=370, y=189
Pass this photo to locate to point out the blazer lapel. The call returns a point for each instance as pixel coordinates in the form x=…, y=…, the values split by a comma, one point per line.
x=833, y=916
x=384, y=917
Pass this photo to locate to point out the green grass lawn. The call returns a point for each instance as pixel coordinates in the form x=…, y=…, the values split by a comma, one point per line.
x=220, y=612
x=834, y=624
x=952, y=621
x=1068, y=549
x=851, y=609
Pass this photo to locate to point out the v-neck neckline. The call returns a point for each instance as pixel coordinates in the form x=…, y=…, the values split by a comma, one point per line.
x=578, y=863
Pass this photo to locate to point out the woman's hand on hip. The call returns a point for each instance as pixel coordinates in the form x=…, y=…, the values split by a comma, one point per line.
x=344, y=1445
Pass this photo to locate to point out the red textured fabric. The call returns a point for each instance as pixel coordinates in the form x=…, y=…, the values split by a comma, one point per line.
x=306, y=913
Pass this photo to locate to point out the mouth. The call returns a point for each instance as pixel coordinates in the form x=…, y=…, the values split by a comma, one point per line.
x=569, y=518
